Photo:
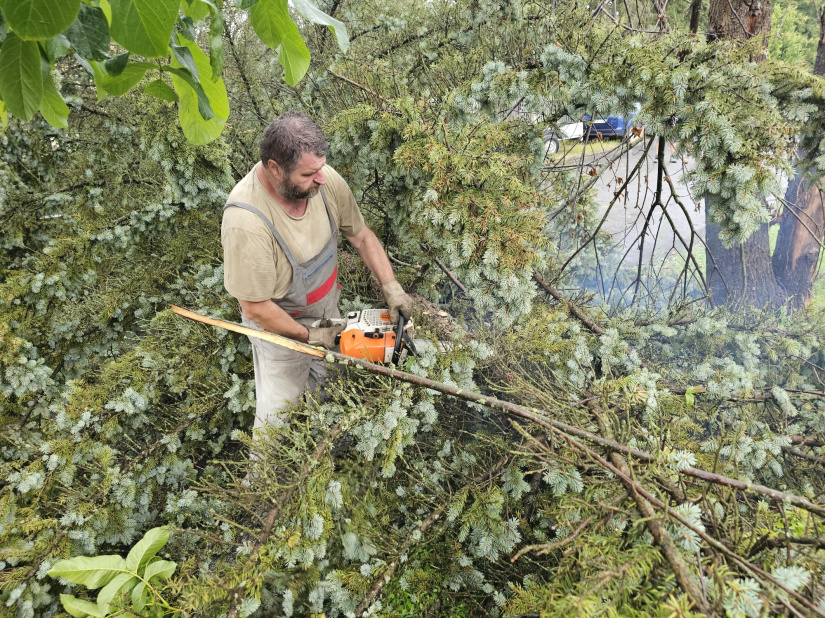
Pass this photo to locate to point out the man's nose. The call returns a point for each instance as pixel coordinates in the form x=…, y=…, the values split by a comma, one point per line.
x=319, y=178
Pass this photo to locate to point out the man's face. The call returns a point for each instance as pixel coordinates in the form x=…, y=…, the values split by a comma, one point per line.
x=304, y=181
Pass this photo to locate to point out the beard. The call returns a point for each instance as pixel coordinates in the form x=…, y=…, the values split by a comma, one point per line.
x=292, y=192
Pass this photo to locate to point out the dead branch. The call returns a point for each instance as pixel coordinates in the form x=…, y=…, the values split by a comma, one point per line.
x=573, y=309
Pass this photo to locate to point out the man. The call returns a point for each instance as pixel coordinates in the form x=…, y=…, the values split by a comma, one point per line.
x=280, y=242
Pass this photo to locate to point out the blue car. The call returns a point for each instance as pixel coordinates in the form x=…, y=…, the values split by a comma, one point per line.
x=612, y=126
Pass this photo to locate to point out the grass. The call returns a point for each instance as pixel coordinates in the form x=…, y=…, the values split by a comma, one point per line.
x=568, y=149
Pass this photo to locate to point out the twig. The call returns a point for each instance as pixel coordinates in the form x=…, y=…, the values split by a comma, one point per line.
x=798, y=453
x=450, y=274
x=662, y=538
x=359, y=86
x=573, y=309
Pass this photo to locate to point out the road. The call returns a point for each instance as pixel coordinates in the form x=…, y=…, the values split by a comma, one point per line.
x=630, y=223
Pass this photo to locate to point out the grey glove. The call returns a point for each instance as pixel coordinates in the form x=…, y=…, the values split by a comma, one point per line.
x=397, y=300
x=325, y=334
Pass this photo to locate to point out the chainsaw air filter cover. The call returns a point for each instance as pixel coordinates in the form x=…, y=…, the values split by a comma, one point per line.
x=369, y=334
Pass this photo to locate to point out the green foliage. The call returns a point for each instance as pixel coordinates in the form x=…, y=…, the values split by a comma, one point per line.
x=794, y=32
x=21, y=84
x=68, y=32
x=120, y=418
x=133, y=576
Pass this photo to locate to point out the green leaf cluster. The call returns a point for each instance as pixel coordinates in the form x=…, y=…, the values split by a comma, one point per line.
x=42, y=37
x=118, y=577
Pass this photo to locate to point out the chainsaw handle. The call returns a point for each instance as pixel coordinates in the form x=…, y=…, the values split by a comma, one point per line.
x=399, y=337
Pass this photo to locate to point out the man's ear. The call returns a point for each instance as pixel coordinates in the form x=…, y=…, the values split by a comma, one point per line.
x=273, y=167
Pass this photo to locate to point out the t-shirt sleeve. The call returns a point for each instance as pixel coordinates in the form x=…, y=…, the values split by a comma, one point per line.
x=350, y=219
x=249, y=267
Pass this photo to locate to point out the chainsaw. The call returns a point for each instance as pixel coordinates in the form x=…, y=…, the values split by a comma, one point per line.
x=370, y=334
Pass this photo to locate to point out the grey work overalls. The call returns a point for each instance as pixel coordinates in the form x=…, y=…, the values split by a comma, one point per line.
x=281, y=375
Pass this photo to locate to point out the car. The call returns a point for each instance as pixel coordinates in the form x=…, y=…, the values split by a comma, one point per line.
x=611, y=126
x=564, y=129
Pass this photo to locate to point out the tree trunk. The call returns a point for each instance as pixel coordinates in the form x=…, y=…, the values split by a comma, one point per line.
x=742, y=274
x=802, y=225
x=819, y=65
x=801, y=231
x=695, y=14
x=741, y=20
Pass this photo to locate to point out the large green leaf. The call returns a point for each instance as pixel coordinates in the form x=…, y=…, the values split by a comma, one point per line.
x=124, y=581
x=204, y=106
x=21, y=82
x=146, y=548
x=161, y=90
x=56, y=47
x=216, y=43
x=317, y=16
x=160, y=568
x=89, y=34
x=115, y=66
x=107, y=10
x=80, y=608
x=92, y=572
x=185, y=59
x=197, y=10
x=4, y=117
x=121, y=83
x=271, y=22
x=52, y=105
x=197, y=129
x=140, y=596
x=39, y=19
x=144, y=26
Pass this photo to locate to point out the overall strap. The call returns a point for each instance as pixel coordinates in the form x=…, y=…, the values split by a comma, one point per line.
x=332, y=227
x=293, y=262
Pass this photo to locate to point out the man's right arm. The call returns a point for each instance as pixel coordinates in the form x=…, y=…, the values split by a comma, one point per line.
x=271, y=317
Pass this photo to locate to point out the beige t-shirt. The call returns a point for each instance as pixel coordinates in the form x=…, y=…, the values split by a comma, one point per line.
x=255, y=266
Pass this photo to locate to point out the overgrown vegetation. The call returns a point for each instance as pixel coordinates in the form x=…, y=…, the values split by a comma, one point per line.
x=654, y=457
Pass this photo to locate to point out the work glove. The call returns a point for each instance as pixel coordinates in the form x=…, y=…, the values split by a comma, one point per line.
x=397, y=300
x=324, y=335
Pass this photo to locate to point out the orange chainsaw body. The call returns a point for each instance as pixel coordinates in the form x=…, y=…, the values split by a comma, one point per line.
x=369, y=334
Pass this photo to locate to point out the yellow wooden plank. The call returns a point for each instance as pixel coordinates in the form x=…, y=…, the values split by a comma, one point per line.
x=284, y=342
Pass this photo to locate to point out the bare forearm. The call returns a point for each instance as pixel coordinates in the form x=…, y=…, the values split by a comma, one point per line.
x=271, y=317
x=373, y=254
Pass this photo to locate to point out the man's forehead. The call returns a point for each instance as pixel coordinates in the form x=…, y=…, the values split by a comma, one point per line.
x=310, y=162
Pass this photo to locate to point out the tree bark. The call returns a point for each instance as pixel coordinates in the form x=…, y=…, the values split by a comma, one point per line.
x=743, y=274
x=801, y=232
x=695, y=14
x=819, y=65
x=802, y=225
x=741, y=20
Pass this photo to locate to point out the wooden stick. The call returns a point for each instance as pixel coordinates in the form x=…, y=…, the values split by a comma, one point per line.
x=284, y=342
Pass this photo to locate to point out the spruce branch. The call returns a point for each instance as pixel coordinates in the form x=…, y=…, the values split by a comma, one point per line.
x=661, y=537
x=542, y=418
x=434, y=516
x=236, y=595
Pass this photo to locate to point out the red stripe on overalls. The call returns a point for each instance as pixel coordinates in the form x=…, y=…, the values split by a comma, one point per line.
x=317, y=294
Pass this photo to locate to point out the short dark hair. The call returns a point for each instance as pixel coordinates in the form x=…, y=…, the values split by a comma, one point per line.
x=288, y=137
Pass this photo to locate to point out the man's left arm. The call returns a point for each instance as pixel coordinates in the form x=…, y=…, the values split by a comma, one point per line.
x=374, y=256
